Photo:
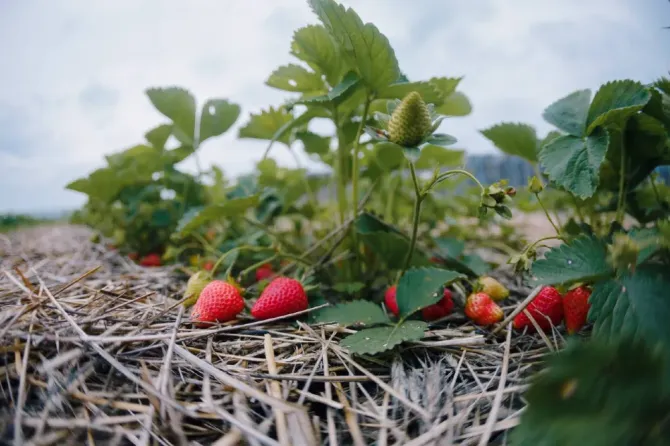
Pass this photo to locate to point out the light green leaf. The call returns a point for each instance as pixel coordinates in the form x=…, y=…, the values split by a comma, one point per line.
x=582, y=260
x=574, y=163
x=376, y=340
x=514, y=139
x=635, y=306
x=358, y=312
x=441, y=139
x=200, y=217
x=419, y=288
x=178, y=104
x=388, y=156
x=600, y=394
x=218, y=115
x=615, y=102
x=158, y=136
x=569, y=113
x=456, y=104
x=313, y=45
x=266, y=124
x=367, y=50
x=435, y=156
x=446, y=85
x=428, y=91
x=295, y=78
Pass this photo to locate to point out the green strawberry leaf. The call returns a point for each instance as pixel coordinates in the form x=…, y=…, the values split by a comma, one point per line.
x=574, y=163
x=615, y=102
x=446, y=85
x=456, y=104
x=295, y=78
x=391, y=248
x=600, y=393
x=178, y=104
x=376, y=340
x=267, y=124
x=419, y=288
x=433, y=156
x=217, y=116
x=348, y=287
x=583, y=259
x=359, y=312
x=427, y=90
x=366, y=49
x=441, y=139
x=313, y=45
x=338, y=94
x=514, y=139
x=199, y=217
x=313, y=143
x=569, y=113
x=634, y=306
x=158, y=136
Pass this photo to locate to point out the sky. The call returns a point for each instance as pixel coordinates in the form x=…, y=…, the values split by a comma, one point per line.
x=74, y=72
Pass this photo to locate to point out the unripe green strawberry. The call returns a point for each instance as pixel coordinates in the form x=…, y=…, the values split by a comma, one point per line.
x=576, y=308
x=482, y=310
x=196, y=283
x=410, y=121
x=493, y=288
x=547, y=304
x=219, y=301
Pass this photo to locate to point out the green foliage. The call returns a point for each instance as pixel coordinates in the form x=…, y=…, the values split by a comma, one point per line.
x=217, y=116
x=601, y=394
x=359, y=312
x=421, y=287
x=177, y=104
x=200, y=217
x=372, y=341
x=514, y=139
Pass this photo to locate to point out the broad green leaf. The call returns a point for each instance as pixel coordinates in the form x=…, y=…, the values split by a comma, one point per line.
x=514, y=139
x=574, y=163
x=635, y=306
x=371, y=341
x=419, y=288
x=266, y=124
x=161, y=218
x=456, y=104
x=177, y=104
x=358, y=312
x=435, y=156
x=392, y=248
x=446, y=85
x=388, y=155
x=314, y=45
x=367, y=50
x=103, y=184
x=177, y=155
x=450, y=247
x=658, y=108
x=314, y=144
x=427, y=90
x=476, y=264
x=615, y=102
x=569, y=113
x=337, y=94
x=648, y=240
x=158, y=136
x=600, y=394
x=231, y=208
x=663, y=84
x=295, y=78
x=552, y=135
x=441, y=139
x=582, y=260
x=348, y=287
x=218, y=115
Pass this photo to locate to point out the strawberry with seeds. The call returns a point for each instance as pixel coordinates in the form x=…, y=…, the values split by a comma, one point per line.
x=482, y=309
x=546, y=308
x=576, y=308
x=219, y=301
x=281, y=297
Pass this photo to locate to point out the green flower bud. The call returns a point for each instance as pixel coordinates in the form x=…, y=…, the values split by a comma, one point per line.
x=410, y=122
x=535, y=186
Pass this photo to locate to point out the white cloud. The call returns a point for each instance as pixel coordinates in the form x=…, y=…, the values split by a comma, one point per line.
x=516, y=57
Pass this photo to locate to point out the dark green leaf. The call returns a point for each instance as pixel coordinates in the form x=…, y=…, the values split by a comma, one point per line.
x=584, y=259
x=441, y=139
x=338, y=94
x=419, y=288
x=161, y=218
x=158, y=136
x=615, y=102
x=177, y=104
x=392, y=248
x=231, y=208
x=450, y=247
x=359, y=312
x=218, y=115
x=514, y=139
x=574, y=163
x=376, y=340
x=569, y=113
x=314, y=144
x=367, y=50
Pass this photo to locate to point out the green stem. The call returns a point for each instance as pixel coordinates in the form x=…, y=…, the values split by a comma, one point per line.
x=354, y=164
x=310, y=193
x=449, y=173
x=415, y=222
x=551, y=237
x=546, y=212
x=340, y=170
x=622, y=185
x=578, y=209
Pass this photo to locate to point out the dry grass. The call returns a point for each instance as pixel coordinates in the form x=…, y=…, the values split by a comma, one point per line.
x=93, y=350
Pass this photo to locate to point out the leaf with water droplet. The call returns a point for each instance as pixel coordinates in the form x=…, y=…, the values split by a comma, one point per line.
x=376, y=340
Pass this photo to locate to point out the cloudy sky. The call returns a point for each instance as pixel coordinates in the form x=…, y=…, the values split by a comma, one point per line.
x=74, y=71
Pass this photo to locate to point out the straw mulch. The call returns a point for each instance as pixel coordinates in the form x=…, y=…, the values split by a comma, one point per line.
x=93, y=350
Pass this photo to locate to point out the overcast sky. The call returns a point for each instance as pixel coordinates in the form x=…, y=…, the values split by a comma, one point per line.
x=74, y=71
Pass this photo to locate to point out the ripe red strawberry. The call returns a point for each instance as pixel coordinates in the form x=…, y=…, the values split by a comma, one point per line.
x=219, y=301
x=547, y=304
x=576, y=308
x=440, y=309
x=389, y=300
x=281, y=297
x=264, y=272
x=151, y=260
x=482, y=309
x=208, y=265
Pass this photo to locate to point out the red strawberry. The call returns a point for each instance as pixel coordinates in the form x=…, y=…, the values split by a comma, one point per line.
x=576, y=308
x=547, y=304
x=389, y=300
x=208, y=265
x=482, y=309
x=264, y=272
x=219, y=301
x=151, y=260
x=281, y=297
x=440, y=309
